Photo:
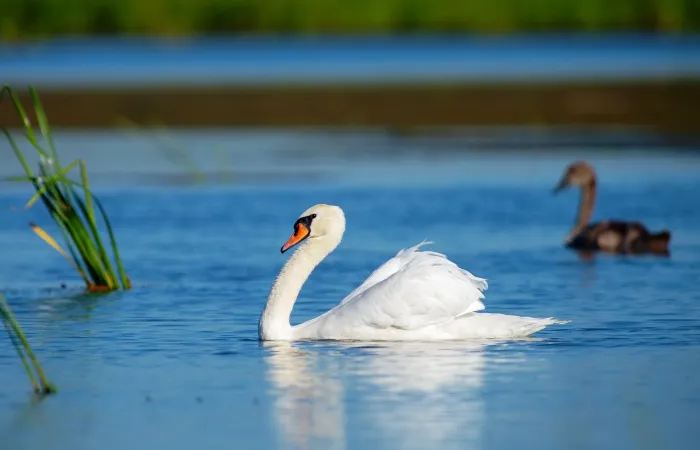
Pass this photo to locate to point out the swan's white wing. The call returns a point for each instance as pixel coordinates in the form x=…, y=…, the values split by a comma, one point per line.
x=415, y=289
x=386, y=270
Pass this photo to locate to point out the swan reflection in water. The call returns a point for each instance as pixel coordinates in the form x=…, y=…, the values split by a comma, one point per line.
x=416, y=395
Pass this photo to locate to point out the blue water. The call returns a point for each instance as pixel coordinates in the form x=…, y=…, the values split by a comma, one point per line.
x=175, y=362
x=118, y=63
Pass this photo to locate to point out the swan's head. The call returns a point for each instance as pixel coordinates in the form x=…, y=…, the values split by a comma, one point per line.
x=317, y=221
x=579, y=173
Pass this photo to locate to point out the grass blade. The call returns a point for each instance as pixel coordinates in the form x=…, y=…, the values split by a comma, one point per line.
x=22, y=346
x=28, y=128
x=48, y=181
x=27, y=168
x=90, y=212
x=22, y=357
x=126, y=282
x=44, y=125
x=100, y=251
x=88, y=196
x=49, y=240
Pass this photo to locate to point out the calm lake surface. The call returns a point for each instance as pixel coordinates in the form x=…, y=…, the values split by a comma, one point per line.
x=175, y=362
x=145, y=63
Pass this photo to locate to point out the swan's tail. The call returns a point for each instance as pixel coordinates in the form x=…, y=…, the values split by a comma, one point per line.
x=541, y=324
x=500, y=326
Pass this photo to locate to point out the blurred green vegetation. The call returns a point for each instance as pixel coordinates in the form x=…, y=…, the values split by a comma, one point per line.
x=40, y=18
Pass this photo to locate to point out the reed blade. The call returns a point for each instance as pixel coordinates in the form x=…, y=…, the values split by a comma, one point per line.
x=108, y=272
x=44, y=125
x=26, y=122
x=47, y=182
x=90, y=211
x=18, y=337
x=18, y=153
x=49, y=240
x=126, y=282
x=74, y=256
x=18, y=348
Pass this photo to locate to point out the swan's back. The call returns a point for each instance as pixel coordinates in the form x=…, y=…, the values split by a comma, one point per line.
x=412, y=291
x=402, y=259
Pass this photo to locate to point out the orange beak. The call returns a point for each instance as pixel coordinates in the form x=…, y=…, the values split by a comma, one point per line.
x=300, y=233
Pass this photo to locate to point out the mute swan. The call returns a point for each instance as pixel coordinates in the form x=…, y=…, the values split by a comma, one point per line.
x=613, y=236
x=416, y=295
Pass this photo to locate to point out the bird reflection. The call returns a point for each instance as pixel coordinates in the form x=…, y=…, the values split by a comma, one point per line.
x=416, y=395
x=308, y=405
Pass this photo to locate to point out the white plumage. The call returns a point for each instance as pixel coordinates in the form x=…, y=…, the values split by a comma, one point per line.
x=416, y=295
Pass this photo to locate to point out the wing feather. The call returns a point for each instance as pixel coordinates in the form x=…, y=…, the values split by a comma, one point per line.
x=387, y=269
x=414, y=289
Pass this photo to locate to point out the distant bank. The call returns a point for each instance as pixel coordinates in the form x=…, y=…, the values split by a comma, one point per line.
x=641, y=80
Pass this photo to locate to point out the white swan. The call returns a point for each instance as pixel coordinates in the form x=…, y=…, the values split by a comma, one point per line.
x=416, y=295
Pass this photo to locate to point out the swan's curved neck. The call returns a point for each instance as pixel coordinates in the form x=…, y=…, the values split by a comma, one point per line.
x=274, y=321
x=585, y=207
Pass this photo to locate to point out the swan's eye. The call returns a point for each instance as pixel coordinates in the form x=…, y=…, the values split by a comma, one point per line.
x=313, y=216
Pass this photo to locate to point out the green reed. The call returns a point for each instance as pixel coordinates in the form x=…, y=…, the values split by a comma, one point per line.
x=73, y=214
x=34, y=371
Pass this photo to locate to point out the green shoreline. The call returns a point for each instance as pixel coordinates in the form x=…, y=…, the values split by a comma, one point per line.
x=668, y=106
x=23, y=19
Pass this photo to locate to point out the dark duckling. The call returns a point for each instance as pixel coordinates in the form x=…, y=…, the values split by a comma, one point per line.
x=612, y=236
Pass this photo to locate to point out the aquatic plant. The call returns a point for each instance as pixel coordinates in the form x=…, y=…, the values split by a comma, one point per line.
x=73, y=214
x=24, y=350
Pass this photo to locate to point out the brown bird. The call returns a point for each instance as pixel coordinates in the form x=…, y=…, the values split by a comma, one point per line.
x=612, y=236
